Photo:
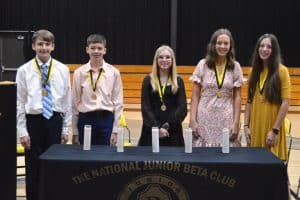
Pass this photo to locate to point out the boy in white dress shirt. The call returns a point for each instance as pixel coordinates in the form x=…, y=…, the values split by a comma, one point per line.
x=44, y=109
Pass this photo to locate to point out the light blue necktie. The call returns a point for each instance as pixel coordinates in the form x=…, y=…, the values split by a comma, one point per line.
x=46, y=94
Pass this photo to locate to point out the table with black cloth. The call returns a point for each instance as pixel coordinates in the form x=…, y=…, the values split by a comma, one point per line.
x=68, y=172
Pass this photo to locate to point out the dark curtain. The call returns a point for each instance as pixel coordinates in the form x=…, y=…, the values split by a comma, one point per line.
x=133, y=28
x=247, y=21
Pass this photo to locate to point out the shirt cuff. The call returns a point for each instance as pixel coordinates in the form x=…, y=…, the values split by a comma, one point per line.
x=74, y=131
x=65, y=130
x=115, y=130
x=22, y=133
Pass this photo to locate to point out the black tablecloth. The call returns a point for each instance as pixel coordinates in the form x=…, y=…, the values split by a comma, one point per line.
x=68, y=172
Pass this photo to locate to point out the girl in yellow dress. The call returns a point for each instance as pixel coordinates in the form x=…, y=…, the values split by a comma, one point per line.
x=268, y=98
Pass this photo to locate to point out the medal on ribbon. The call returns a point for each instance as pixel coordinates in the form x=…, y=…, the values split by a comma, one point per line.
x=219, y=94
x=163, y=107
x=262, y=82
x=220, y=75
x=94, y=84
x=45, y=80
x=44, y=92
x=94, y=96
x=161, y=92
x=262, y=98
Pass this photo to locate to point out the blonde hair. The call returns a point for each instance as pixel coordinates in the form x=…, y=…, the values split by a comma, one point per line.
x=172, y=72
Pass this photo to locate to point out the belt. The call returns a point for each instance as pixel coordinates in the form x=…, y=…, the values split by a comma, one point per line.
x=98, y=113
x=39, y=115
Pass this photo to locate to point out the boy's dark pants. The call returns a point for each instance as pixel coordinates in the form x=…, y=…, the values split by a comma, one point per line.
x=43, y=133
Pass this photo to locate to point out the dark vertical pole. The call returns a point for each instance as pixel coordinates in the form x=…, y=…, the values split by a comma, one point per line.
x=1, y=58
x=173, y=24
x=8, y=141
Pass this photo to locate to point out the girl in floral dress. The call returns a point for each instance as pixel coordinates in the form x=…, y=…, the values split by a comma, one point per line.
x=216, y=93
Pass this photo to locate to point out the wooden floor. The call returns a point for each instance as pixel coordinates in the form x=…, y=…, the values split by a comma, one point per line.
x=134, y=123
x=294, y=159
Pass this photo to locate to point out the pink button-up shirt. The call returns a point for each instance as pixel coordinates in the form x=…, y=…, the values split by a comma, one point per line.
x=109, y=92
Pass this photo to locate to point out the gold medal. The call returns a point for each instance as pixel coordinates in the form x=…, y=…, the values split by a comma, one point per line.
x=44, y=92
x=94, y=96
x=219, y=94
x=94, y=84
x=262, y=99
x=163, y=107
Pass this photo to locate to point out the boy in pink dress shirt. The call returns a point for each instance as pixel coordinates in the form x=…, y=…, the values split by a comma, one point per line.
x=97, y=96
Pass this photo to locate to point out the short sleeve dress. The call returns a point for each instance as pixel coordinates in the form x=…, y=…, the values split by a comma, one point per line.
x=214, y=111
x=263, y=115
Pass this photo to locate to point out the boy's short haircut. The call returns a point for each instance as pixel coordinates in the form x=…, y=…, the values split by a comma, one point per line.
x=44, y=35
x=96, y=38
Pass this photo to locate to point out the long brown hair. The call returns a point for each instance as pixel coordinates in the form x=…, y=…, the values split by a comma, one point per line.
x=272, y=89
x=212, y=55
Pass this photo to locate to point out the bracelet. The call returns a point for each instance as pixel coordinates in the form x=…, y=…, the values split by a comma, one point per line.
x=275, y=131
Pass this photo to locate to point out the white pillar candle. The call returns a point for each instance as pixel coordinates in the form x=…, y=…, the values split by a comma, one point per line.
x=188, y=146
x=155, y=140
x=120, y=140
x=87, y=137
x=225, y=140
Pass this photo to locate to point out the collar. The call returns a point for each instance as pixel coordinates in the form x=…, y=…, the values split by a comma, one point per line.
x=40, y=62
x=89, y=67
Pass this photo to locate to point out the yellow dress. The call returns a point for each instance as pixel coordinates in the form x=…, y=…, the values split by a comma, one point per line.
x=263, y=115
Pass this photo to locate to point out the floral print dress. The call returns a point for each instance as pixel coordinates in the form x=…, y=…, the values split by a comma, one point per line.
x=215, y=108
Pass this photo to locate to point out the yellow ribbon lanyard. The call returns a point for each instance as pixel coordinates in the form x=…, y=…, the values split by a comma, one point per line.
x=262, y=79
x=44, y=82
x=94, y=84
x=220, y=75
x=161, y=90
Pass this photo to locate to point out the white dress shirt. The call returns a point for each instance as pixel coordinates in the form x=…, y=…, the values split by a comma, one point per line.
x=29, y=93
